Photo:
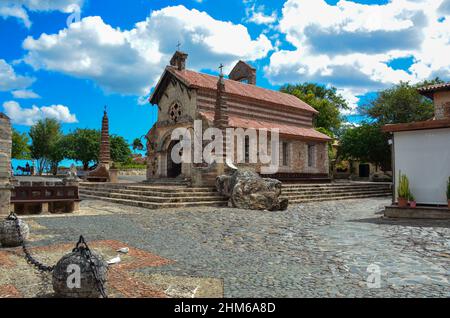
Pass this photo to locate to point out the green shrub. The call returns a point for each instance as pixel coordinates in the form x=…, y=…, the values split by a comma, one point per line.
x=448, y=188
x=403, y=190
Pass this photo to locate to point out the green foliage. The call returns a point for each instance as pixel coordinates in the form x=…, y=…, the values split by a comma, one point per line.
x=400, y=104
x=403, y=190
x=83, y=145
x=448, y=189
x=127, y=165
x=120, y=150
x=20, y=145
x=325, y=100
x=365, y=143
x=45, y=136
x=137, y=144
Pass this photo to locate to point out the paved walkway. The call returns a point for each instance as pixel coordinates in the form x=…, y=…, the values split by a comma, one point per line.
x=324, y=249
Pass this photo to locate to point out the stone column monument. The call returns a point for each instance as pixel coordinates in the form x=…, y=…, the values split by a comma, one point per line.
x=101, y=173
x=5, y=164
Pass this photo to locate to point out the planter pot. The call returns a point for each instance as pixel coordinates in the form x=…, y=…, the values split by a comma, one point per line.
x=402, y=202
x=413, y=204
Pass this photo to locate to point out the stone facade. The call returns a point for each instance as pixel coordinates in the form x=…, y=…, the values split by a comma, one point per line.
x=442, y=105
x=184, y=96
x=5, y=164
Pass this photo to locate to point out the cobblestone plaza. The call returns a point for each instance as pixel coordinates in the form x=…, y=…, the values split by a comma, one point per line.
x=326, y=249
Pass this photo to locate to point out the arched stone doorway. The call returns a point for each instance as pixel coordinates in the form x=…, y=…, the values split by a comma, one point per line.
x=173, y=169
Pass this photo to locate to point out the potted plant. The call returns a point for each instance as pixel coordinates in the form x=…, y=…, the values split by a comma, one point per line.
x=448, y=193
x=412, y=201
x=403, y=191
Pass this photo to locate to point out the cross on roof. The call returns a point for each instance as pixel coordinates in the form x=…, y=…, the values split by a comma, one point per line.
x=178, y=46
x=221, y=69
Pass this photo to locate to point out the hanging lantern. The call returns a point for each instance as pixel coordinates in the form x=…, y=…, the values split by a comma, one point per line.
x=80, y=274
x=13, y=231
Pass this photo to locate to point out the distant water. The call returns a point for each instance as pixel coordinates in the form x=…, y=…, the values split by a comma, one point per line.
x=23, y=163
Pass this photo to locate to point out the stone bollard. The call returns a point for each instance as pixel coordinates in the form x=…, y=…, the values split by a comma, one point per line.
x=80, y=274
x=5, y=164
x=9, y=236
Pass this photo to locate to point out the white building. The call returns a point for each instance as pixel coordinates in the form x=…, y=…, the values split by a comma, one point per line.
x=421, y=150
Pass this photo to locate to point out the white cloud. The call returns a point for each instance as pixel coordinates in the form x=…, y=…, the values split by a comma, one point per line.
x=24, y=94
x=256, y=14
x=18, y=8
x=350, y=45
x=9, y=80
x=130, y=61
x=29, y=116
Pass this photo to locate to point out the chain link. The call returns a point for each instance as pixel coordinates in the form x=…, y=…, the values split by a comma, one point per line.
x=83, y=248
x=30, y=259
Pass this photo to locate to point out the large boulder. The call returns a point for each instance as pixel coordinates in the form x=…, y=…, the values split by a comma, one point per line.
x=247, y=190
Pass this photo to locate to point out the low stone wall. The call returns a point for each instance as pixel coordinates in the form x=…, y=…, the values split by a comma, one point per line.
x=132, y=172
x=5, y=163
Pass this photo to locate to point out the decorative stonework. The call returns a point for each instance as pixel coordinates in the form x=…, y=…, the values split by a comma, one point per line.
x=5, y=164
x=101, y=173
x=175, y=112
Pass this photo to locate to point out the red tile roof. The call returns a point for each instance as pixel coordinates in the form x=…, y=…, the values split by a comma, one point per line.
x=430, y=89
x=239, y=122
x=205, y=81
x=419, y=125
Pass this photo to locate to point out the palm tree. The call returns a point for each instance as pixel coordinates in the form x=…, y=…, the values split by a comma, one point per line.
x=137, y=144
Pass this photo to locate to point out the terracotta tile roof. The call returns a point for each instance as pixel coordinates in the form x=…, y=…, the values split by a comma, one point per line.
x=430, y=89
x=239, y=122
x=419, y=125
x=201, y=80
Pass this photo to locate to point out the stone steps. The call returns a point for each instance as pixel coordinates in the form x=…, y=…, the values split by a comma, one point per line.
x=153, y=205
x=339, y=198
x=156, y=193
x=155, y=198
x=330, y=196
x=333, y=191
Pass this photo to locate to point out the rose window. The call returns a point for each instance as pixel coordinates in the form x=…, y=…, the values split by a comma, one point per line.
x=175, y=112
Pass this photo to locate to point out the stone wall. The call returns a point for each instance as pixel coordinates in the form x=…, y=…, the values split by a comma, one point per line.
x=132, y=172
x=442, y=105
x=5, y=164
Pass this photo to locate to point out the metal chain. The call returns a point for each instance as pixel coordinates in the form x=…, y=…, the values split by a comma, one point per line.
x=83, y=248
x=30, y=260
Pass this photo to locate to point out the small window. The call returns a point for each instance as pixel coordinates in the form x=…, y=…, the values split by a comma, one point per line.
x=285, y=154
x=311, y=155
x=247, y=149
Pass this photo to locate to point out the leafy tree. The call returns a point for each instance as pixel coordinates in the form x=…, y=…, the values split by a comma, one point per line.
x=400, y=104
x=20, y=145
x=120, y=150
x=83, y=145
x=325, y=100
x=367, y=143
x=58, y=152
x=45, y=135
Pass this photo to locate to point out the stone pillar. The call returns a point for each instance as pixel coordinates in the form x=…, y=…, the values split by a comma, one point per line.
x=105, y=155
x=221, y=121
x=5, y=164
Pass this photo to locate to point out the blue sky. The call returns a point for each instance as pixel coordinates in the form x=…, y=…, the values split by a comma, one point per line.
x=115, y=53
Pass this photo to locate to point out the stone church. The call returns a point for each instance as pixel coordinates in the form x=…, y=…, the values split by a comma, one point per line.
x=183, y=96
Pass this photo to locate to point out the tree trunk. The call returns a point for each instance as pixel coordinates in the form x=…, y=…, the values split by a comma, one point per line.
x=85, y=166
